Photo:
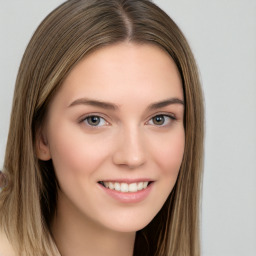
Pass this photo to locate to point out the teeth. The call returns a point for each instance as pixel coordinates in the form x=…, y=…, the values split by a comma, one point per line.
x=133, y=187
x=145, y=184
x=140, y=186
x=111, y=185
x=125, y=187
x=117, y=186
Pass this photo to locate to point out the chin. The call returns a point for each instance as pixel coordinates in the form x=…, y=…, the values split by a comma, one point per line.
x=129, y=223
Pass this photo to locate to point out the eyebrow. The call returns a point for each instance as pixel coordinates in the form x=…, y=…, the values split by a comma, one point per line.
x=111, y=106
x=95, y=103
x=165, y=103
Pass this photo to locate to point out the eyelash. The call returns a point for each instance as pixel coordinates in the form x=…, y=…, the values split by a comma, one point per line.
x=169, y=117
x=85, y=120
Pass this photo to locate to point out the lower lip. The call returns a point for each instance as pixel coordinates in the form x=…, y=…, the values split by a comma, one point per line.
x=129, y=197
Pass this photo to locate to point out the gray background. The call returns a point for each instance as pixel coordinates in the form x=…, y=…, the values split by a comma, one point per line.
x=222, y=35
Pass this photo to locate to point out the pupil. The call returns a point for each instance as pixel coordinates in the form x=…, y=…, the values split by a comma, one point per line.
x=93, y=120
x=159, y=120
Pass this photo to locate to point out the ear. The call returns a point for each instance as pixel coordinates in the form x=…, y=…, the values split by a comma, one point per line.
x=42, y=146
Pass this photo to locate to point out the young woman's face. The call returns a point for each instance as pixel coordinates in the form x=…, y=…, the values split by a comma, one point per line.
x=115, y=134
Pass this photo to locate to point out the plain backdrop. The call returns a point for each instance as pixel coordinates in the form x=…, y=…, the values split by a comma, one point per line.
x=222, y=34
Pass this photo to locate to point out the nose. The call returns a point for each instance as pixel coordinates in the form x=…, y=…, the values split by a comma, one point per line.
x=130, y=149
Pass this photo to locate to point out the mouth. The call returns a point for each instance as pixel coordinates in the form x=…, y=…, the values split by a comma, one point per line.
x=125, y=187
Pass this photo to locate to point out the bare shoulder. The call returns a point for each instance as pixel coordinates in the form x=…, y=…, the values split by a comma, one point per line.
x=5, y=247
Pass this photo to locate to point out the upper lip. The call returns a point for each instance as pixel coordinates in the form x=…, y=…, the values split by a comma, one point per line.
x=128, y=181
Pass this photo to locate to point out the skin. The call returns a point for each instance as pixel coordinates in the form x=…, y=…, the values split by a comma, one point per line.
x=127, y=143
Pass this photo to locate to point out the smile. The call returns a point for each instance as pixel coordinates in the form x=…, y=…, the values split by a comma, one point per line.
x=125, y=187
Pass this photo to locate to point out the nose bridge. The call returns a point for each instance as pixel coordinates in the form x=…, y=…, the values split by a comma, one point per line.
x=130, y=150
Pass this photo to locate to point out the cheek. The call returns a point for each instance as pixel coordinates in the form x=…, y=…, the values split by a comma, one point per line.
x=169, y=153
x=75, y=153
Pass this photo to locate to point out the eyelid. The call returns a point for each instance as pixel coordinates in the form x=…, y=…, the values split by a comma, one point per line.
x=82, y=119
x=169, y=115
x=84, y=116
x=100, y=115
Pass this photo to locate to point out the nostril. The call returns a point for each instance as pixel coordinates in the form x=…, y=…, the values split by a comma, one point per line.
x=130, y=152
x=127, y=160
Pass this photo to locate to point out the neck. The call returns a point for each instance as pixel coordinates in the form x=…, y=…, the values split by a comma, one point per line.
x=76, y=235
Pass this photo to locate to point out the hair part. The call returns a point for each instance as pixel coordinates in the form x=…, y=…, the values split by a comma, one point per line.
x=68, y=34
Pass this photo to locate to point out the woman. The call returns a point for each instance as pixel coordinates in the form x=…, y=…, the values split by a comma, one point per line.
x=104, y=152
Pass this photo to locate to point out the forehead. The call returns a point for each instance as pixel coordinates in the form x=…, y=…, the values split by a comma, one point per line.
x=124, y=71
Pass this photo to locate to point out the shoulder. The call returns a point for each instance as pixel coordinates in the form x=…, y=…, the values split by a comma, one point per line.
x=5, y=247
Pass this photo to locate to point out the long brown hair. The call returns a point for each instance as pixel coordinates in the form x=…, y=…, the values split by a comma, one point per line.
x=70, y=32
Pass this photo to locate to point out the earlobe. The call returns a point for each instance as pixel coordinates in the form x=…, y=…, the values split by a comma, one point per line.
x=42, y=147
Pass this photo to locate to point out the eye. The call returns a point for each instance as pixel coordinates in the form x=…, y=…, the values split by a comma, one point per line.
x=161, y=120
x=94, y=120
